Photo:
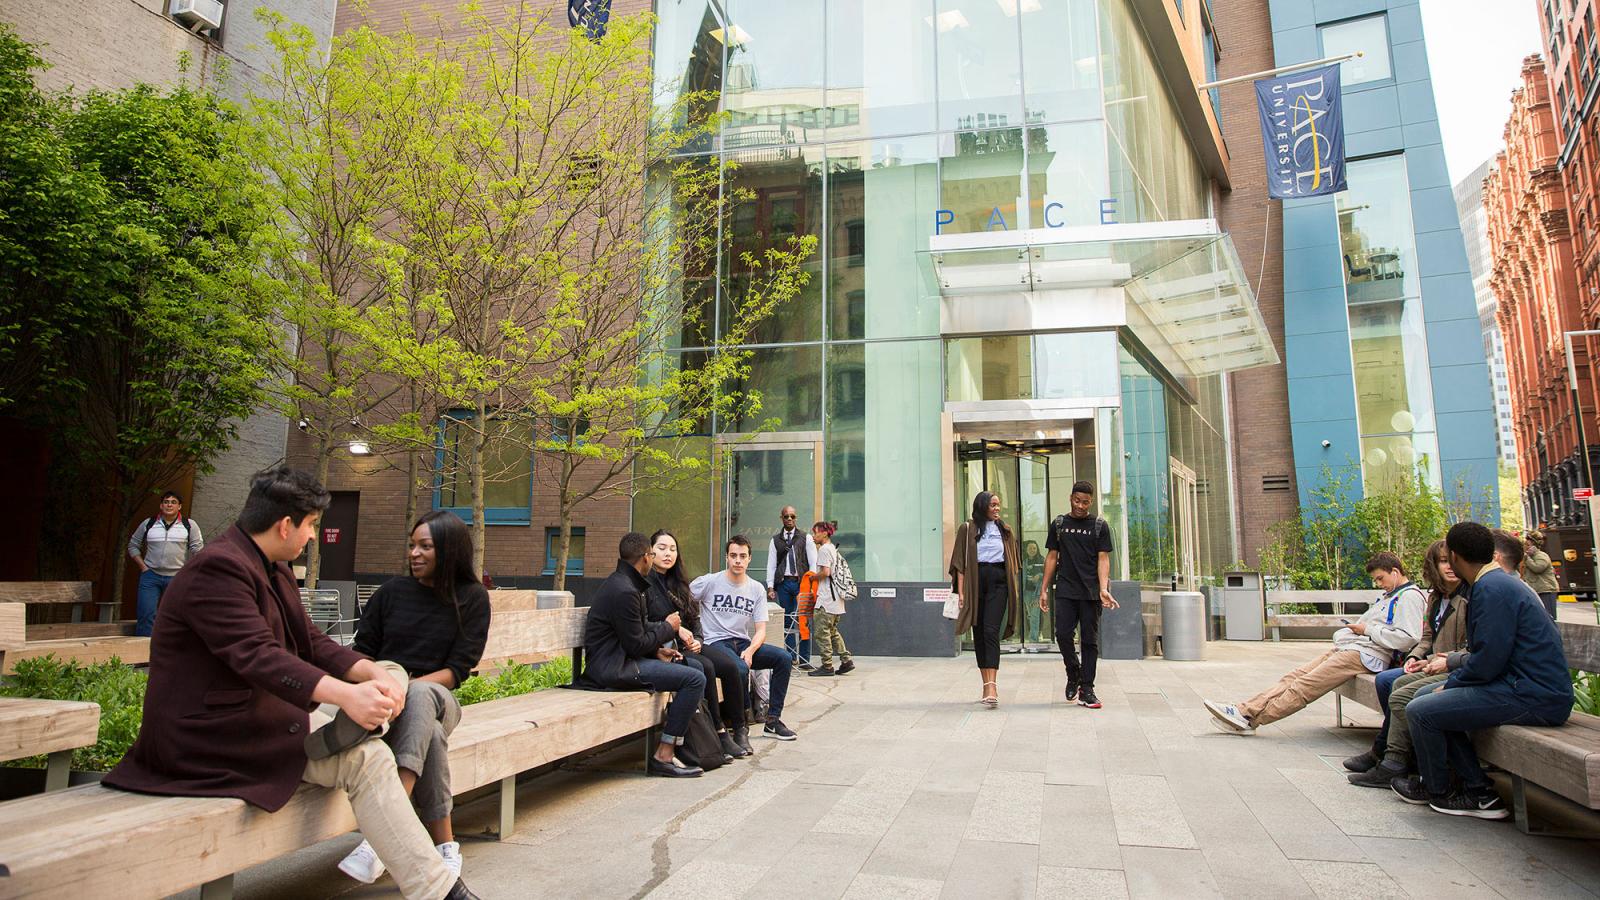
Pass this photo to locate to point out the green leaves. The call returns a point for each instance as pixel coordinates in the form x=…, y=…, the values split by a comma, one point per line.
x=117, y=688
x=515, y=681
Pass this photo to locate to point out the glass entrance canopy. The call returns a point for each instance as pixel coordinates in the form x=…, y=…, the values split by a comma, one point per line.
x=1178, y=287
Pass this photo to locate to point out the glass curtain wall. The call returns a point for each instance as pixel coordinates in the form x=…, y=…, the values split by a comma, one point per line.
x=857, y=121
x=1388, y=341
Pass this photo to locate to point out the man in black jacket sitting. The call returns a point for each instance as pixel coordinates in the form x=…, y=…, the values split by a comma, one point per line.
x=624, y=652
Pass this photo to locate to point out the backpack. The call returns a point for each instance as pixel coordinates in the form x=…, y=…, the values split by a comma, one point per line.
x=842, y=582
x=701, y=746
x=144, y=544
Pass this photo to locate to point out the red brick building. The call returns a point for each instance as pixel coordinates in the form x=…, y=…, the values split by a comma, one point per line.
x=1535, y=277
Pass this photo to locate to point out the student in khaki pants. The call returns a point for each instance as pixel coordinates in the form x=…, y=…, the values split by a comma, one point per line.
x=829, y=607
x=1392, y=625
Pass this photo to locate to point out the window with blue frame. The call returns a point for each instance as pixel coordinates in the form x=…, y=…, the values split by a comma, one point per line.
x=575, y=542
x=1369, y=36
x=507, y=466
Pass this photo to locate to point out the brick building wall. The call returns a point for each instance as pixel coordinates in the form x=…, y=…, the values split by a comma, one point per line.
x=1533, y=242
x=1264, y=476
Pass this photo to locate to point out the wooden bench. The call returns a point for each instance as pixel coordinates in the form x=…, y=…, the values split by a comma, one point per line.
x=53, y=728
x=93, y=841
x=16, y=645
x=1564, y=760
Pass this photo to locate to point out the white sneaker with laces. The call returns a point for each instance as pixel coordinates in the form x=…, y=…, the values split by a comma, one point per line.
x=1229, y=715
x=450, y=852
x=362, y=864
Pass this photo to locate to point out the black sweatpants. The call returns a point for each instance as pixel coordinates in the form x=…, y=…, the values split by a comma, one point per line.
x=1082, y=616
x=991, y=614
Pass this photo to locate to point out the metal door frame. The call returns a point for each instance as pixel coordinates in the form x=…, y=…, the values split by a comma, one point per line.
x=1185, y=524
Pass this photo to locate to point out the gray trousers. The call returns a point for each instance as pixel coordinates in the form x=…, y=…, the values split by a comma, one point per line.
x=1404, y=691
x=419, y=739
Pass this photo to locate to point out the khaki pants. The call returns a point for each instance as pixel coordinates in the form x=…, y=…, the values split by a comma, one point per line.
x=1296, y=690
x=366, y=772
x=1398, y=749
x=828, y=639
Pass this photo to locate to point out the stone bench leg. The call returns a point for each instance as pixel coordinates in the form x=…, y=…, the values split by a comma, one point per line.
x=57, y=770
x=221, y=889
x=508, y=807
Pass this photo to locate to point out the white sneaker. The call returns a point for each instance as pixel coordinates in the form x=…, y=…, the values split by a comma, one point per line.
x=450, y=852
x=1229, y=715
x=362, y=864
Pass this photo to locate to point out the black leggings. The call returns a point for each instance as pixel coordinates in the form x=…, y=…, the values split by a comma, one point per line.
x=991, y=614
x=732, y=684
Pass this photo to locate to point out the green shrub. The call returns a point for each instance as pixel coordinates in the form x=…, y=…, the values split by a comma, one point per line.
x=517, y=680
x=1586, y=692
x=117, y=688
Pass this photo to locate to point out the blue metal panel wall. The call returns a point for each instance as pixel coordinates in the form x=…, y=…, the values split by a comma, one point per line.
x=1394, y=115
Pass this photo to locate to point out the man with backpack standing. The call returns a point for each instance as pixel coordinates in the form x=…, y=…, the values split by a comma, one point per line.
x=835, y=587
x=159, y=547
x=1077, y=564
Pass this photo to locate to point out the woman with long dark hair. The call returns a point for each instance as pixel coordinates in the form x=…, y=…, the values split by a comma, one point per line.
x=984, y=571
x=669, y=593
x=433, y=623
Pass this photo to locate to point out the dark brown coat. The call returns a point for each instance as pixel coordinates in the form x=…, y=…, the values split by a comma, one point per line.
x=964, y=559
x=233, y=661
x=1452, y=635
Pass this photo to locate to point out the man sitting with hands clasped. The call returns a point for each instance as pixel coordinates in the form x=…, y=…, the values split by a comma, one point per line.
x=236, y=669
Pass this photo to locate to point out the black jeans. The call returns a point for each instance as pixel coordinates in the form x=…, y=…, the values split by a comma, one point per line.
x=1548, y=598
x=1082, y=616
x=991, y=614
x=687, y=684
x=709, y=670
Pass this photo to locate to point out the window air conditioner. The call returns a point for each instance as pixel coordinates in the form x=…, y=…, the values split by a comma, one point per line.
x=198, y=14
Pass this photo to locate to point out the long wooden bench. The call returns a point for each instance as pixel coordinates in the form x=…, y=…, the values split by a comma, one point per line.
x=93, y=841
x=53, y=728
x=1564, y=761
x=16, y=646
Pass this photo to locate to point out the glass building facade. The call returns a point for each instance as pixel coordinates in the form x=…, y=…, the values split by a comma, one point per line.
x=894, y=131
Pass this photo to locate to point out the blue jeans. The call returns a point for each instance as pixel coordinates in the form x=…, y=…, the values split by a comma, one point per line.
x=767, y=656
x=1385, y=680
x=789, y=599
x=1440, y=720
x=152, y=585
x=687, y=684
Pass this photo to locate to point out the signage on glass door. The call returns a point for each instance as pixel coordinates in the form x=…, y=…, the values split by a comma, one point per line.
x=1053, y=216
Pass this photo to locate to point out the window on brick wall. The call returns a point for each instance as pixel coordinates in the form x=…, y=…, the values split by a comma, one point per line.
x=507, y=466
x=575, y=544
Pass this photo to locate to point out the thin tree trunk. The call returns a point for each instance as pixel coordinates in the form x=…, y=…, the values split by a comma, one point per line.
x=564, y=541
x=314, y=547
x=480, y=439
x=413, y=476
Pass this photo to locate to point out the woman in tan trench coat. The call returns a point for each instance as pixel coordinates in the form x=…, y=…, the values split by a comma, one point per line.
x=984, y=571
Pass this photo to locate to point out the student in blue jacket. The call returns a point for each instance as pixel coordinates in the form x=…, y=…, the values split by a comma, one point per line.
x=1515, y=674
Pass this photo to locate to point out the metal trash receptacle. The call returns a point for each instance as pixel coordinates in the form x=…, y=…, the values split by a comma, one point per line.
x=1183, y=625
x=1244, y=606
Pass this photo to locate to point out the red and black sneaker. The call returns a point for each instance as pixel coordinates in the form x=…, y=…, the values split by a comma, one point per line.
x=1087, y=698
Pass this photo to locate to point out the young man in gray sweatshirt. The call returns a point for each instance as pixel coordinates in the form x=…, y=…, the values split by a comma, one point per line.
x=1389, y=628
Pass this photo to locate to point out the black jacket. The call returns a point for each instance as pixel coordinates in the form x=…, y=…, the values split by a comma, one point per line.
x=659, y=603
x=617, y=635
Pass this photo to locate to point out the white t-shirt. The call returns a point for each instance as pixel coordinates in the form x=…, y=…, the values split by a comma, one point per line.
x=727, y=609
x=828, y=557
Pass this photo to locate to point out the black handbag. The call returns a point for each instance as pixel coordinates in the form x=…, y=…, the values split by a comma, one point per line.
x=701, y=746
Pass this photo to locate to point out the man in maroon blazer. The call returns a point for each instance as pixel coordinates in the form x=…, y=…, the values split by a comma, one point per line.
x=236, y=667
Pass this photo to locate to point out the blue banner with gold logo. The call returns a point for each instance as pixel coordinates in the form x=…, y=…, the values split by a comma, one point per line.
x=1302, y=125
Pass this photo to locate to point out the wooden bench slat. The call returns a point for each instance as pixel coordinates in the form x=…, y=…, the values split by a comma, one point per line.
x=32, y=727
x=1582, y=645
x=1564, y=760
x=46, y=592
x=134, y=651
x=13, y=626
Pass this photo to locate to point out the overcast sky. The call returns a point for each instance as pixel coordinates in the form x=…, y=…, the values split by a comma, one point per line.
x=1475, y=51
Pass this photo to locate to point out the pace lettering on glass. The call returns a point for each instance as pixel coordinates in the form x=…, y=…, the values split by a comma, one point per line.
x=1302, y=129
x=1053, y=212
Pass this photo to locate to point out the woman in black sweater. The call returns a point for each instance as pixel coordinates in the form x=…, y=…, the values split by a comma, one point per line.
x=434, y=623
x=669, y=593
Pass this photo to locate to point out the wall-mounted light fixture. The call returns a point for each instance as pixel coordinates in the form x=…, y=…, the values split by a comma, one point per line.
x=360, y=448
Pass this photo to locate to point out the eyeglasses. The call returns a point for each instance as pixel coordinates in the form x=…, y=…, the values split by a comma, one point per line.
x=791, y=516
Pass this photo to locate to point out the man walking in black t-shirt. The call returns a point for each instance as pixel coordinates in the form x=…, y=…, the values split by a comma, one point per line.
x=1078, y=564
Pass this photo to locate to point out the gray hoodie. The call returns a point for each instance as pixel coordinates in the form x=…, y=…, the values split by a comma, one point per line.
x=1394, y=625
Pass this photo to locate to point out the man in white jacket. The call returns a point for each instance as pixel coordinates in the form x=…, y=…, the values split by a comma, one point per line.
x=1371, y=644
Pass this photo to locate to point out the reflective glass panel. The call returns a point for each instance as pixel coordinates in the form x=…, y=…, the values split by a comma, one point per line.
x=980, y=65
x=1066, y=174
x=980, y=181
x=680, y=505
x=1060, y=59
x=1370, y=37
x=881, y=201
x=884, y=458
x=878, y=84
x=776, y=195
x=507, y=464
x=774, y=80
x=688, y=60
x=787, y=382
x=1147, y=468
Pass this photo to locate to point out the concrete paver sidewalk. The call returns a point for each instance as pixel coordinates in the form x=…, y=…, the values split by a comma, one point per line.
x=901, y=786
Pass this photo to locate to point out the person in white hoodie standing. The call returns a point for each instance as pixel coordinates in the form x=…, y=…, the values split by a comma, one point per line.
x=1386, y=631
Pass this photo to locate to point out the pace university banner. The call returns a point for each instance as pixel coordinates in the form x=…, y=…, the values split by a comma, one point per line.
x=1302, y=125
